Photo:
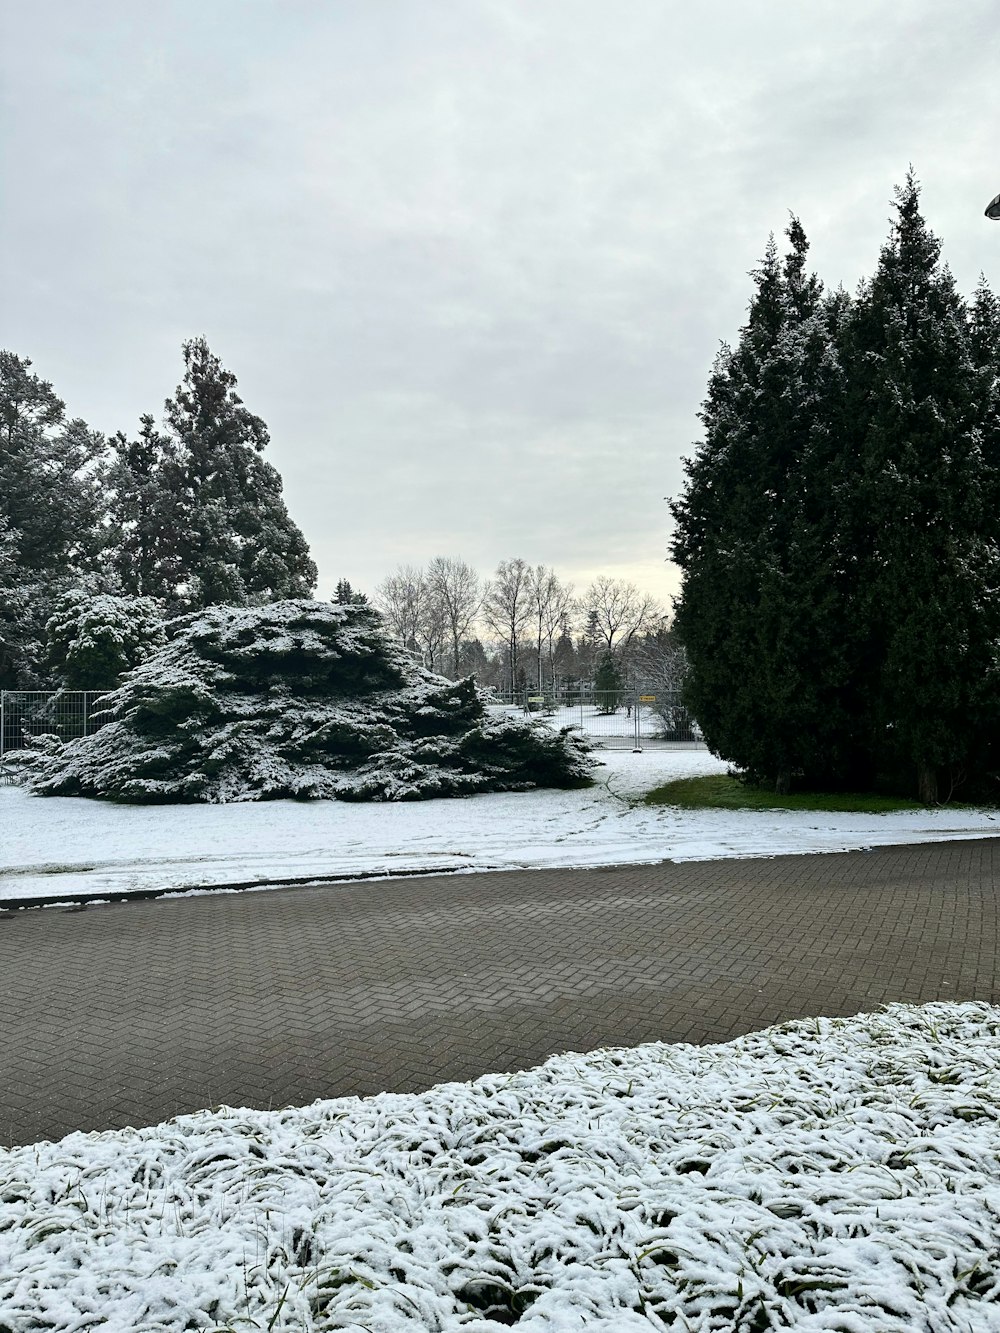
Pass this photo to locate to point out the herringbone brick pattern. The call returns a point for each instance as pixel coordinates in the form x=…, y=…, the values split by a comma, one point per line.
x=132, y=1013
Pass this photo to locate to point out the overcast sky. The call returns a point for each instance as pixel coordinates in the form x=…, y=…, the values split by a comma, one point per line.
x=470, y=259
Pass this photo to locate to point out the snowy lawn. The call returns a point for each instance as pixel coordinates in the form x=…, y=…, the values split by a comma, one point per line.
x=831, y=1174
x=52, y=846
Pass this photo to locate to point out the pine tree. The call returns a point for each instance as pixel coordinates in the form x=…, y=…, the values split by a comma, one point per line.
x=47, y=492
x=145, y=511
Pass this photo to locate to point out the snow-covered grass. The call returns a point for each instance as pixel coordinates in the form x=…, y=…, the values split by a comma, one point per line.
x=60, y=846
x=835, y=1174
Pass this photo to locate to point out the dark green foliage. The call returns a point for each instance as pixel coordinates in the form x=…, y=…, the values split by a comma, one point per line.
x=751, y=528
x=93, y=638
x=47, y=492
x=608, y=684
x=927, y=569
x=190, y=515
x=197, y=517
x=143, y=482
x=300, y=699
x=49, y=514
x=839, y=528
x=345, y=595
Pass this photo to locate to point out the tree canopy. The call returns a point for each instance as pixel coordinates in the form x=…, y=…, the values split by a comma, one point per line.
x=187, y=513
x=838, y=531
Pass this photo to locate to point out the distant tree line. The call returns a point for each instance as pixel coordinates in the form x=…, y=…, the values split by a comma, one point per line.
x=839, y=529
x=102, y=540
x=524, y=627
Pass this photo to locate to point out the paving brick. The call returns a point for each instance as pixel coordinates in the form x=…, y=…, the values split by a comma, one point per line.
x=131, y=1013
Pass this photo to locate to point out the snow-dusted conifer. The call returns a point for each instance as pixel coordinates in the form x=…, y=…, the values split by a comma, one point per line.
x=49, y=513
x=234, y=540
x=300, y=699
x=924, y=534
x=754, y=609
x=92, y=638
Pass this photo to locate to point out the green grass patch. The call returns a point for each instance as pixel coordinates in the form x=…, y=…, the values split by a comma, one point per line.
x=720, y=792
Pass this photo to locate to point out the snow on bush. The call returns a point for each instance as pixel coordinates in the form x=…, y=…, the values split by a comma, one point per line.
x=300, y=699
x=835, y=1175
x=93, y=638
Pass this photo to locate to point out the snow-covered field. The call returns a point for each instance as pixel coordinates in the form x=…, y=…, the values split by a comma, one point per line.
x=835, y=1174
x=60, y=846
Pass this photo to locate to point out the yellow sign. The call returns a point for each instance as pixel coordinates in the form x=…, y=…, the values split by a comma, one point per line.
x=647, y=698
x=536, y=698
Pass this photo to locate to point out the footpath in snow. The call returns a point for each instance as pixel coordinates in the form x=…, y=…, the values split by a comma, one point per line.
x=829, y=1174
x=53, y=847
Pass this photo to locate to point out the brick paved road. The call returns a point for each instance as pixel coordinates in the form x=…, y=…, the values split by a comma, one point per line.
x=132, y=1013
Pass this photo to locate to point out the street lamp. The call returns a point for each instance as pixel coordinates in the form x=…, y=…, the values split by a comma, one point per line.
x=993, y=209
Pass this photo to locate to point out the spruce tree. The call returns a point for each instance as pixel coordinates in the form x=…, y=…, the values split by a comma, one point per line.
x=345, y=595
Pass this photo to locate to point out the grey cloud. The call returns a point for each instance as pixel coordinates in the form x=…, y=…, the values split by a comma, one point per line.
x=470, y=259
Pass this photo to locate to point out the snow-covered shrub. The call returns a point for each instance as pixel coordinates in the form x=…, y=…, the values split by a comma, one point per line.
x=93, y=638
x=300, y=699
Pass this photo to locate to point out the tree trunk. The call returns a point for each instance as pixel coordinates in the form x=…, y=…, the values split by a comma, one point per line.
x=783, y=782
x=927, y=784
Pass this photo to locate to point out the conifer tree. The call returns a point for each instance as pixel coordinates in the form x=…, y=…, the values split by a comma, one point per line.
x=927, y=564
x=608, y=684
x=142, y=542
x=49, y=514
x=840, y=528
x=345, y=595
x=754, y=594
x=236, y=543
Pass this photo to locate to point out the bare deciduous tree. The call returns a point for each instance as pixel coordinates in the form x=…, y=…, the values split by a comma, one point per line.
x=507, y=607
x=550, y=604
x=454, y=595
x=401, y=597
x=617, y=611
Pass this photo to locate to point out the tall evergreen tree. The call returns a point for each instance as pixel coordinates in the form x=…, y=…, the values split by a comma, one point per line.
x=747, y=539
x=49, y=514
x=47, y=493
x=142, y=543
x=927, y=565
x=235, y=541
x=840, y=528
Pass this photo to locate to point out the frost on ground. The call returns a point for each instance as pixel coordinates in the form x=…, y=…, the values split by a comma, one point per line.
x=51, y=849
x=831, y=1174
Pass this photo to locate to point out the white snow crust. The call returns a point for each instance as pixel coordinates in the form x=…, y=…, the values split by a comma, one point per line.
x=57, y=845
x=831, y=1174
